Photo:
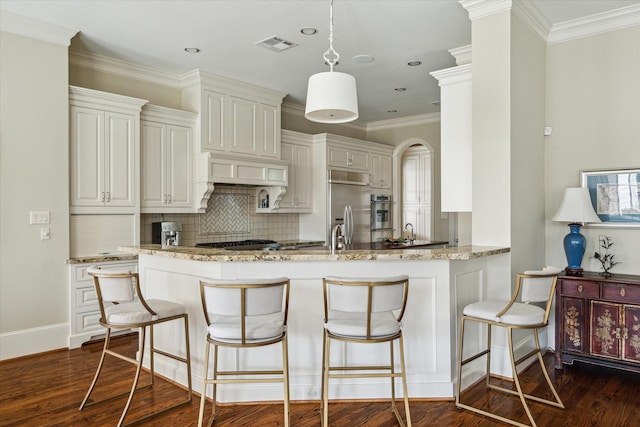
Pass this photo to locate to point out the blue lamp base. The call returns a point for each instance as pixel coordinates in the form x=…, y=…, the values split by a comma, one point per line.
x=574, y=247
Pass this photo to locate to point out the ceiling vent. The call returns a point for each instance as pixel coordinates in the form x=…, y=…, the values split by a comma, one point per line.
x=276, y=44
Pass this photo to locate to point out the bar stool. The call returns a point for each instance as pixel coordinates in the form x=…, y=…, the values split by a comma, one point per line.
x=364, y=310
x=244, y=314
x=122, y=306
x=532, y=287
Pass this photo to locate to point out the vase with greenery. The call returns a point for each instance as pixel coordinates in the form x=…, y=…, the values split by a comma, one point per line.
x=605, y=256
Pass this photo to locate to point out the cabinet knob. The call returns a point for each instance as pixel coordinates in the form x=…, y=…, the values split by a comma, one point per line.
x=580, y=288
x=622, y=292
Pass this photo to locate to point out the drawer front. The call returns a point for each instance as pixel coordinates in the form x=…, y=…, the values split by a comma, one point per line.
x=580, y=288
x=621, y=293
x=89, y=321
x=86, y=297
x=81, y=274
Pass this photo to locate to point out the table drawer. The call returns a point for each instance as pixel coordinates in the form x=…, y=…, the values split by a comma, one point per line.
x=621, y=293
x=580, y=288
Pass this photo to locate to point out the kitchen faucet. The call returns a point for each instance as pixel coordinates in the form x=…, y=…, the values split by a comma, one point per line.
x=412, y=236
x=337, y=238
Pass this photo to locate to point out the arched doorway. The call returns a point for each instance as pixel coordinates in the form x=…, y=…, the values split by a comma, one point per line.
x=419, y=154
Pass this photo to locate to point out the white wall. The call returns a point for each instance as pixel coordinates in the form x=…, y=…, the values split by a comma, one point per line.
x=593, y=106
x=34, y=175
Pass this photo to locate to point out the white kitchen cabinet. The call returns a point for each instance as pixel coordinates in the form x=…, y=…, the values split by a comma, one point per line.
x=84, y=311
x=236, y=118
x=347, y=157
x=296, y=148
x=104, y=151
x=167, y=151
x=416, y=192
x=381, y=167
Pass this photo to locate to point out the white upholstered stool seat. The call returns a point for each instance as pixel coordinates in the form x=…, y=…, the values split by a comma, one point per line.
x=135, y=312
x=364, y=310
x=521, y=312
x=244, y=314
x=122, y=306
x=518, y=313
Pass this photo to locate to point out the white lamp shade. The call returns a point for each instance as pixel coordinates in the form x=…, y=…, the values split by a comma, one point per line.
x=576, y=207
x=331, y=98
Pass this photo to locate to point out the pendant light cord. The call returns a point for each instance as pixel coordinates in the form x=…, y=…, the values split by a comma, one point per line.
x=335, y=56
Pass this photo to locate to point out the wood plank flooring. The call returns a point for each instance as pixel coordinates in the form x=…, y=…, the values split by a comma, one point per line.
x=46, y=390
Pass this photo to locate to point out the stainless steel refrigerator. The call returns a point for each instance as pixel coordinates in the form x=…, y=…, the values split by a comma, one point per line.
x=349, y=204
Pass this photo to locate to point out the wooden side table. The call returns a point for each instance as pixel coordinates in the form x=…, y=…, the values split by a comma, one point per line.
x=598, y=320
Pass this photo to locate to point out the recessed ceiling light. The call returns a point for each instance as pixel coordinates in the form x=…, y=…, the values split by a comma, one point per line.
x=414, y=63
x=191, y=49
x=363, y=59
x=308, y=31
x=400, y=89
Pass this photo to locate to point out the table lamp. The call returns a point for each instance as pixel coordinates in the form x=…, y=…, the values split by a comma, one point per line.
x=575, y=209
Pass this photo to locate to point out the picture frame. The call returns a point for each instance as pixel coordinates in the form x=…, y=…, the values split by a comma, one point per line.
x=615, y=196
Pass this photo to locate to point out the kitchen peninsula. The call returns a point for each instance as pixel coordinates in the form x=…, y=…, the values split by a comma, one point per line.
x=442, y=281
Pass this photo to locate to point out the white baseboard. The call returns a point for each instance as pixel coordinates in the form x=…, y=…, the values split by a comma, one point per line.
x=34, y=340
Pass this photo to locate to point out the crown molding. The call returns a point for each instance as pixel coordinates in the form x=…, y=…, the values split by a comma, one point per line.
x=481, y=8
x=529, y=13
x=421, y=119
x=117, y=67
x=595, y=24
x=32, y=28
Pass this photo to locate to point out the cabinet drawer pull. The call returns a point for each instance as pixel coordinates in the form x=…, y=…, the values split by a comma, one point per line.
x=580, y=288
x=625, y=333
x=622, y=292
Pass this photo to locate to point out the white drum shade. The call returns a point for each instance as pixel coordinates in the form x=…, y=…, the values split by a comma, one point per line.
x=331, y=98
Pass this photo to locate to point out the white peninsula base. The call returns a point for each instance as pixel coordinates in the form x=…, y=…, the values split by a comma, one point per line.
x=438, y=289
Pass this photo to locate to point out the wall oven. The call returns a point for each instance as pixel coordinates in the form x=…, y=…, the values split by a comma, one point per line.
x=381, y=217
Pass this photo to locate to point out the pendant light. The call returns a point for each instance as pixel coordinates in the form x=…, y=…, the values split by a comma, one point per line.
x=331, y=96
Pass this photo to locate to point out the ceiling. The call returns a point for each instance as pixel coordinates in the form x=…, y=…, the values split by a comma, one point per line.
x=394, y=32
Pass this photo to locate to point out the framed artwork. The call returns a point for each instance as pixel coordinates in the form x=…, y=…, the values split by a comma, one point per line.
x=615, y=196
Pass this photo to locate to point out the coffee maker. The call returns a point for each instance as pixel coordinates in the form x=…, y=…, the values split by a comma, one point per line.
x=166, y=233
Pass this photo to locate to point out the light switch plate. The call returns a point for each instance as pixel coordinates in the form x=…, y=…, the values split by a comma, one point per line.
x=39, y=217
x=45, y=233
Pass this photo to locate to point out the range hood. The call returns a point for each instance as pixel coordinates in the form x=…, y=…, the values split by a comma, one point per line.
x=216, y=168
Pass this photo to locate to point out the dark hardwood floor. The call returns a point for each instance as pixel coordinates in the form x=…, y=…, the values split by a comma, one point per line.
x=46, y=390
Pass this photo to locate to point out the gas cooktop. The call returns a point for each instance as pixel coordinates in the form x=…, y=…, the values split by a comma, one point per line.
x=239, y=245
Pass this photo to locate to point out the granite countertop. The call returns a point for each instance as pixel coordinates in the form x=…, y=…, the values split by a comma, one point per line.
x=315, y=253
x=103, y=258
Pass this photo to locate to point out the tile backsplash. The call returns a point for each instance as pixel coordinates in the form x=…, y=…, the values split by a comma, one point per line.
x=230, y=215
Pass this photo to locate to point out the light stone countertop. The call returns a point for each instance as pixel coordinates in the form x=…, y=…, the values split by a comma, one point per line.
x=314, y=254
x=103, y=258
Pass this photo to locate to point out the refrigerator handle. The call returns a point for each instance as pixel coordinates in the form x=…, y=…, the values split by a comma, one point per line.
x=350, y=233
x=346, y=224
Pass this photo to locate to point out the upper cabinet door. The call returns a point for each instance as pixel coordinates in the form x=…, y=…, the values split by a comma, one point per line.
x=213, y=121
x=270, y=131
x=87, y=156
x=179, y=175
x=381, y=165
x=243, y=125
x=120, y=168
x=153, y=164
